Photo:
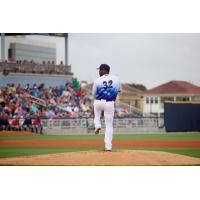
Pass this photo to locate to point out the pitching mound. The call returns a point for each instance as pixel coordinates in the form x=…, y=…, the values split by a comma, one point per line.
x=123, y=157
x=15, y=133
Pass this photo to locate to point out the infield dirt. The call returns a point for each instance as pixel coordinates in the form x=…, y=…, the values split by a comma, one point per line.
x=101, y=158
x=16, y=133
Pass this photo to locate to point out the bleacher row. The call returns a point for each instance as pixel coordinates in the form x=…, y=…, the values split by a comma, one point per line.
x=47, y=67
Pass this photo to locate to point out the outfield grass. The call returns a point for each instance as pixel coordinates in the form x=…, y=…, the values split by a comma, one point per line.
x=6, y=152
x=193, y=152
x=121, y=136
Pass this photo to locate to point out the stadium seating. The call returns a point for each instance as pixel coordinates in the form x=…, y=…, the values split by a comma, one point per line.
x=20, y=106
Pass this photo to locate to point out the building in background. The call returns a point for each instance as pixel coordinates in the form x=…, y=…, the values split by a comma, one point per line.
x=20, y=48
x=176, y=91
x=131, y=96
x=31, y=61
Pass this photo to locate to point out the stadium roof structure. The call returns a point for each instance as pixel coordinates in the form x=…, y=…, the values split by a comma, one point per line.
x=3, y=35
x=174, y=87
x=45, y=34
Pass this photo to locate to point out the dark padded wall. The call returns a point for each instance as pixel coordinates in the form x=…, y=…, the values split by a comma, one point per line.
x=182, y=117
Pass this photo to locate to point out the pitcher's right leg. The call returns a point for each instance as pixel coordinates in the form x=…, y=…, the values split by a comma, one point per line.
x=109, y=115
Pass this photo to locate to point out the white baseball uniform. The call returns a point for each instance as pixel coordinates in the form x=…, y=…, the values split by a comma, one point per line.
x=105, y=90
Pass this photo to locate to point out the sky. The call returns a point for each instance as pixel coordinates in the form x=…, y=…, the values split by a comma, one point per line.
x=148, y=59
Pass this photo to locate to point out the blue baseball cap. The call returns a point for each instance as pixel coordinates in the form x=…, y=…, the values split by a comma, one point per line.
x=104, y=66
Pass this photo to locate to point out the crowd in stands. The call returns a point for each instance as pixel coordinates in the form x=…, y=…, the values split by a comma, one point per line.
x=23, y=107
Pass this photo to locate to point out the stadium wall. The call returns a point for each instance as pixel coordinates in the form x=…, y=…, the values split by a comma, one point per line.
x=86, y=126
x=182, y=116
x=84, y=131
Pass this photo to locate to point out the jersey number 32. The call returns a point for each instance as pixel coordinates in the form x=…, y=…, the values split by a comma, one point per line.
x=108, y=84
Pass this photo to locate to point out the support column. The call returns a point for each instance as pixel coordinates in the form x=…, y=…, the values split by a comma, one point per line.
x=174, y=99
x=2, y=46
x=66, y=49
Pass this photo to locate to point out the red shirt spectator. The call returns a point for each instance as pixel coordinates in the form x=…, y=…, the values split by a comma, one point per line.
x=79, y=93
x=73, y=114
x=15, y=122
x=37, y=121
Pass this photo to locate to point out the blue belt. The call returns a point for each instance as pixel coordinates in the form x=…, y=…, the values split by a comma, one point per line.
x=104, y=100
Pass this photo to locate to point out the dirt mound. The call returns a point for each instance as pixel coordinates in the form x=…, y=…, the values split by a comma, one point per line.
x=93, y=158
x=15, y=133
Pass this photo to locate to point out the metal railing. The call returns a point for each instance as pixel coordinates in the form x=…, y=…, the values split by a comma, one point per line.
x=88, y=123
x=130, y=108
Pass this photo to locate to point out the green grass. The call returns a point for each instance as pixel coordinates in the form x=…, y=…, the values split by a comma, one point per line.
x=6, y=152
x=193, y=152
x=161, y=136
x=122, y=136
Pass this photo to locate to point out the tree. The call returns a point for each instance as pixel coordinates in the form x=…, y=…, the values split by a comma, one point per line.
x=137, y=86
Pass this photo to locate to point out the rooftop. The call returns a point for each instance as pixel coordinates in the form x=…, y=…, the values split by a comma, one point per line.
x=174, y=87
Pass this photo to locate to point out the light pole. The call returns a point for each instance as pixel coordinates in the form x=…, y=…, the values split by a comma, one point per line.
x=66, y=49
x=2, y=46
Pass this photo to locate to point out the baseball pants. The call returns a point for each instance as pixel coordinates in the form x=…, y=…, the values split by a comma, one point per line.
x=108, y=108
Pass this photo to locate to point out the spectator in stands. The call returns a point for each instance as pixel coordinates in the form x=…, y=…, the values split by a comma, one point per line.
x=8, y=109
x=33, y=108
x=50, y=113
x=35, y=90
x=27, y=87
x=76, y=84
x=12, y=88
x=73, y=114
x=27, y=124
x=1, y=121
x=52, y=101
x=4, y=122
x=15, y=125
x=18, y=110
x=37, y=125
x=66, y=96
x=69, y=108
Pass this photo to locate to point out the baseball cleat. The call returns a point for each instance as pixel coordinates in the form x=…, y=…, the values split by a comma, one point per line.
x=97, y=130
x=107, y=149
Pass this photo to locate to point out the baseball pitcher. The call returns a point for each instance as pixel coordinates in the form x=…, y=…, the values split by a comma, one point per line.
x=105, y=90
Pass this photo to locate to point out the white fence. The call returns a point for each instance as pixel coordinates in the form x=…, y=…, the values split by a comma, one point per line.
x=63, y=126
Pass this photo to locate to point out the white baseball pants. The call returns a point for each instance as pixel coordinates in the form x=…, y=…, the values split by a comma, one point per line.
x=108, y=108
